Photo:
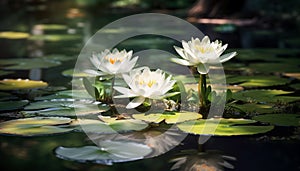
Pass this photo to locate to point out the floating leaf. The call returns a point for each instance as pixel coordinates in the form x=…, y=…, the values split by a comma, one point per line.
x=269, y=55
x=27, y=63
x=257, y=81
x=275, y=67
x=12, y=84
x=56, y=37
x=64, y=108
x=255, y=108
x=295, y=86
x=4, y=96
x=51, y=26
x=67, y=94
x=108, y=153
x=71, y=73
x=5, y=72
x=264, y=96
x=168, y=117
x=35, y=126
x=223, y=127
x=110, y=127
x=13, y=35
x=279, y=119
x=12, y=105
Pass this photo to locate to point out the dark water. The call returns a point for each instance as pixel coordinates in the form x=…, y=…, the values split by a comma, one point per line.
x=257, y=153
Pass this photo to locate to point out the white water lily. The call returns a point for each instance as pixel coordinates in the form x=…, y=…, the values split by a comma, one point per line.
x=145, y=84
x=112, y=63
x=202, y=54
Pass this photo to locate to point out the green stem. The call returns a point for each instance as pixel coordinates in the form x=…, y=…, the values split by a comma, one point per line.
x=202, y=88
x=112, y=89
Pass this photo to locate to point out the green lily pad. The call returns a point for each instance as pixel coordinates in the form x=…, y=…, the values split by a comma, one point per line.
x=64, y=108
x=271, y=96
x=111, y=127
x=257, y=81
x=168, y=117
x=56, y=37
x=15, y=84
x=67, y=94
x=35, y=126
x=12, y=105
x=223, y=127
x=71, y=73
x=279, y=119
x=2, y=73
x=4, y=96
x=108, y=153
x=51, y=26
x=268, y=55
x=275, y=67
x=13, y=35
x=255, y=108
x=295, y=86
x=27, y=63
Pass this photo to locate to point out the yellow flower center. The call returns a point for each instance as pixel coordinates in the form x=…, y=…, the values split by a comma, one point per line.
x=113, y=60
x=149, y=83
x=204, y=49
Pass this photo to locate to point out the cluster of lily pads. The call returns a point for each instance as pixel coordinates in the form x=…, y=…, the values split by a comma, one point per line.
x=53, y=110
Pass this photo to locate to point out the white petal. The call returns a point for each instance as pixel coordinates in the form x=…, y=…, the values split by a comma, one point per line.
x=205, y=40
x=135, y=102
x=125, y=91
x=94, y=72
x=202, y=69
x=181, y=61
x=227, y=56
x=180, y=52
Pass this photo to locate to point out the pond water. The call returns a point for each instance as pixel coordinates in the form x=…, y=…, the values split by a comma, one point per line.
x=41, y=41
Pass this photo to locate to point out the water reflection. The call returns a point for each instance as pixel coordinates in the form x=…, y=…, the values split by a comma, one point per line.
x=193, y=160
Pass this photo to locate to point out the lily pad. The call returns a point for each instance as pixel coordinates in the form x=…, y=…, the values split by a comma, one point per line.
x=35, y=126
x=275, y=67
x=223, y=127
x=265, y=96
x=168, y=117
x=64, y=108
x=13, y=35
x=12, y=105
x=51, y=26
x=2, y=73
x=108, y=153
x=295, y=86
x=67, y=94
x=71, y=73
x=15, y=84
x=279, y=119
x=257, y=81
x=255, y=108
x=269, y=55
x=111, y=127
x=56, y=37
x=27, y=63
x=4, y=96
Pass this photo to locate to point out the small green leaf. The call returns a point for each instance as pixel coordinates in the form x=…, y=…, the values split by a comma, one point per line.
x=223, y=127
x=168, y=117
x=279, y=119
